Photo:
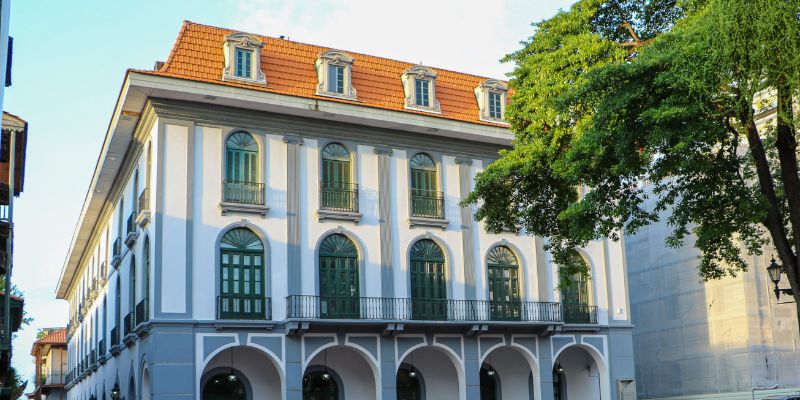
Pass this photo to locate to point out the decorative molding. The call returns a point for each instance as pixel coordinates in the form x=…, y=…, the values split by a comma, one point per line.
x=227, y=207
x=245, y=41
x=463, y=161
x=482, y=96
x=422, y=73
x=385, y=151
x=355, y=217
x=291, y=139
x=339, y=59
x=431, y=222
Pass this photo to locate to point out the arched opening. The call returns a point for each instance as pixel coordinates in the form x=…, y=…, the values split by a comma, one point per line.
x=428, y=281
x=438, y=371
x=242, y=184
x=320, y=385
x=338, y=277
x=577, y=375
x=337, y=190
x=503, y=280
x=408, y=384
x=224, y=386
x=132, y=389
x=146, y=280
x=348, y=370
x=146, y=385
x=244, y=372
x=507, y=373
x=490, y=387
x=426, y=201
x=575, y=295
x=241, y=276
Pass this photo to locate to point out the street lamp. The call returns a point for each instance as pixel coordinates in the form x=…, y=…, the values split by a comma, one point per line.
x=774, y=270
x=115, y=391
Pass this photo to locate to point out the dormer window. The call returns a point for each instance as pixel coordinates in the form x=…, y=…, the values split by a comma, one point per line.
x=243, y=58
x=491, y=96
x=419, y=87
x=334, y=75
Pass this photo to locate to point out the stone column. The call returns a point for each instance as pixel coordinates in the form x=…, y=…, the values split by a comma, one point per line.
x=294, y=276
x=467, y=242
x=385, y=220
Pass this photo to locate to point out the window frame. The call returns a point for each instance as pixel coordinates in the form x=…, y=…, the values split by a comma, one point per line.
x=328, y=61
x=409, y=78
x=483, y=95
x=241, y=41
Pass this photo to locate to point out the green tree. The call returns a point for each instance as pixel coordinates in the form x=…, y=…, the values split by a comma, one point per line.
x=612, y=94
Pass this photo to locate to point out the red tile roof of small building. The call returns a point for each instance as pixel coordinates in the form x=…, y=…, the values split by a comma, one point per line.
x=56, y=337
x=289, y=67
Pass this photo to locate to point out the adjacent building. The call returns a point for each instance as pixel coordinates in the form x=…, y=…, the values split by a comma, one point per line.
x=50, y=357
x=276, y=220
x=729, y=339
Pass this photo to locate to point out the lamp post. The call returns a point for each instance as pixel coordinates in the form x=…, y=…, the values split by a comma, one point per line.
x=774, y=270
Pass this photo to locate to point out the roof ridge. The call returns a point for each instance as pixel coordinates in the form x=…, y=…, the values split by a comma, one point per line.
x=186, y=24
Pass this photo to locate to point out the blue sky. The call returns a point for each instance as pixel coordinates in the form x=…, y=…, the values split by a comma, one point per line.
x=70, y=59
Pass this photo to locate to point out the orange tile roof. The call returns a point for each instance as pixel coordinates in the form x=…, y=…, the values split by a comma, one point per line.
x=55, y=337
x=289, y=68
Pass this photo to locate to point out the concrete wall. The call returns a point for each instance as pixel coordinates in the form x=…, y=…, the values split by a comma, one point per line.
x=696, y=338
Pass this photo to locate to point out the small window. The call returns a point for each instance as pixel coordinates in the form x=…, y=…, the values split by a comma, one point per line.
x=422, y=92
x=336, y=79
x=244, y=63
x=495, y=110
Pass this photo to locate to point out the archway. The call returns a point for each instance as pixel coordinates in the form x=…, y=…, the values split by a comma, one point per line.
x=344, y=368
x=506, y=373
x=579, y=374
x=438, y=370
x=408, y=383
x=146, y=385
x=242, y=367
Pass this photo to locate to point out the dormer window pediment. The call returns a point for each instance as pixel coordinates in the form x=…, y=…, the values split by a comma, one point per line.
x=419, y=88
x=242, y=53
x=491, y=95
x=335, y=75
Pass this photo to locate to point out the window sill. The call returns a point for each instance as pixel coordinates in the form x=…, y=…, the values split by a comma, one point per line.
x=431, y=222
x=115, y=350
x=243, y=208
x=337, y=96
x=143, y=218
x=430, y=110
x=355, y=217
x=233, y=78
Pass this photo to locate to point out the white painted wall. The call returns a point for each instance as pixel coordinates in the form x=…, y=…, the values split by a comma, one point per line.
x=439, y=373
x=509, y=365
x=580, y=371
x=257, y=367
x=357, y=377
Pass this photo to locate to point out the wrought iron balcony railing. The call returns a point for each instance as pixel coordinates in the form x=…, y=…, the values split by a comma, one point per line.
x=243, y=192
x=115, y=336
x=144, y=200
x=239, y=307
x=427, y=204
x=101, y=347
x=142, y=312
x=579, y=314
x=116, y=251
x=338, y=196
x=380, y=308
x=130, y=323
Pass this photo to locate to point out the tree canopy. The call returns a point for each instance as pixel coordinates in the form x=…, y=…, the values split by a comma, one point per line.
x=620, y=102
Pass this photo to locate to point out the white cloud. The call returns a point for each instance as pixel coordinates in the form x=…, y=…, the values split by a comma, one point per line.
x=466, y=35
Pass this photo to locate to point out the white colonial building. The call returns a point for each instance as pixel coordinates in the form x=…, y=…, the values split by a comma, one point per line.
x=275, y=220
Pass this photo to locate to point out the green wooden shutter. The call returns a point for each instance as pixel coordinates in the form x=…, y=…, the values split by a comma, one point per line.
x=338, y=278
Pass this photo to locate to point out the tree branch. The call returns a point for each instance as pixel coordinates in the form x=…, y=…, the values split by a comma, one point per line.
x=787, y=155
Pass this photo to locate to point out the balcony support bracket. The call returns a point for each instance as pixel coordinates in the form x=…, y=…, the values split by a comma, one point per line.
x=228, y=207
x=392, y=329
x=429, y=222
x=355, y=217
x=477, y=330
x=296, y=328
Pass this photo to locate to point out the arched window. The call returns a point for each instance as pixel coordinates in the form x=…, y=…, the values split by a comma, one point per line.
x=428, y=281
x=241, y=276
x=337, y=191
x=408, y=385
x=488, y=381
x=575, y=297
x=338, y=277
x=131, y=323
x=503, y=278
x=146, y=281
x=117, y=312
x=426, y=200
x=227, y=386
x=320, y=385
x=242, y=184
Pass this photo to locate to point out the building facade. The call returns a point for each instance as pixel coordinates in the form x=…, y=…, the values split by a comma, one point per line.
x=270, y=219
x=50, y=357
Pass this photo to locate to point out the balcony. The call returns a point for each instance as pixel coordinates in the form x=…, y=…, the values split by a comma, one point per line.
x=250, y=308
x=101, y=351
x=143, y=215
x=243, y=197
x=579, y=314
x=114, y=350
x=116, y=251
x=405, y=309
x=427, y=208
x=132, y=230
x=130, y=327
x=142, y=312
x=338, y=201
